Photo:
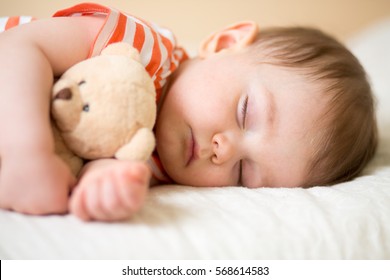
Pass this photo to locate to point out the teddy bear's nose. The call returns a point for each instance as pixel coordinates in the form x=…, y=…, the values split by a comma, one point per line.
x=64, y=93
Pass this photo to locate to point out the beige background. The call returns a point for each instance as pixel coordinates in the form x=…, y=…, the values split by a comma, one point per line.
x=192, y=20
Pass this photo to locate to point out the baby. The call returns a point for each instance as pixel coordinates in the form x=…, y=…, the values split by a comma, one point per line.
x=284, y=107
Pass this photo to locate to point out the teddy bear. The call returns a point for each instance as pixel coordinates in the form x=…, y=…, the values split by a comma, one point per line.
x=104, y=107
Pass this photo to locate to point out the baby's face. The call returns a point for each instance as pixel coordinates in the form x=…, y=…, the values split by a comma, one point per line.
x=229, y=121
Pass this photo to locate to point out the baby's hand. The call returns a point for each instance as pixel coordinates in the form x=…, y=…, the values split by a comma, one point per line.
x=35, y=183
x=112, y=191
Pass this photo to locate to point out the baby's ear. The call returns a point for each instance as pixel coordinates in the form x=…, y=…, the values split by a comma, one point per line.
x=233, y=37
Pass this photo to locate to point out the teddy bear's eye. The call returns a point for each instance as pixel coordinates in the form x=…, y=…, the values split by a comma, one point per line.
x=81, y=82
x=86, y=108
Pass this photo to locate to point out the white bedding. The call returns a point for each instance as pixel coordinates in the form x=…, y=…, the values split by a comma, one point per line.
x=346, y=221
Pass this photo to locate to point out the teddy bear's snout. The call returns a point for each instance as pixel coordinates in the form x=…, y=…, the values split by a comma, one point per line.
x=66, y=108
x=64, y=94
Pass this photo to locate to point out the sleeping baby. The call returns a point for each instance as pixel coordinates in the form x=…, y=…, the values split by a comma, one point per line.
x=283, y=107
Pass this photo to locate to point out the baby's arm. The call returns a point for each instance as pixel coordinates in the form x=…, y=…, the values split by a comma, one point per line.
x=110, y=190
x=32, y=178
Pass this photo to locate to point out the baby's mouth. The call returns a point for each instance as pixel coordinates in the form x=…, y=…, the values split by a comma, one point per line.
x=191, y=153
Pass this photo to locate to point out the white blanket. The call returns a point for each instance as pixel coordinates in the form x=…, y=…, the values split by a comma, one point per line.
x=346, y=221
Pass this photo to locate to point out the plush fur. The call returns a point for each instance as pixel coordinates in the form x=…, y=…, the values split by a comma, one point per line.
x=104, y=107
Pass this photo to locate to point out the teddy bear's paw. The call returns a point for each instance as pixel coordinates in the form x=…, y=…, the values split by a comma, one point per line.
x=140, y=146
x=110, y=193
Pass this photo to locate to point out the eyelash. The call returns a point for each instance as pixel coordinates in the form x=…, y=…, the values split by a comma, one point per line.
x=240, y=173
x=244, y=109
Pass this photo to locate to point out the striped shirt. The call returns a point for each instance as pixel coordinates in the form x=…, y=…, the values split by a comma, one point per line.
x=157, y=46
x=9, y=22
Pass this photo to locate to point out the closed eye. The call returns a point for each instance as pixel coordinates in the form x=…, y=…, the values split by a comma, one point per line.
x=244, y=109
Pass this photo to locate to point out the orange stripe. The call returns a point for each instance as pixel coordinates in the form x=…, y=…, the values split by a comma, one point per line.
x=157, y=83
x=173, y=66
x=169, y=47
x=168, y=44
x=139, y=37
x=175, y=61
x=12, y=22
x=82, y=8
x=158, y=94
x=158, y=78
x=120, y=29
x=155, y=60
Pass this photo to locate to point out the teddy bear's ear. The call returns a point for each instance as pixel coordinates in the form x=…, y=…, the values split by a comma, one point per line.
x=122, y=49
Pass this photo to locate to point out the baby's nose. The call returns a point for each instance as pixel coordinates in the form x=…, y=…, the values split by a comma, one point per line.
x=223, y=148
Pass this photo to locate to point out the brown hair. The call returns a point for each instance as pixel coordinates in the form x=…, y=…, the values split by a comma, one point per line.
x=348, y=132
